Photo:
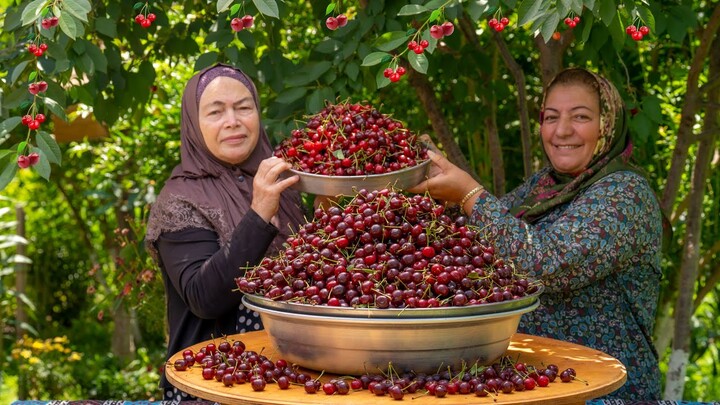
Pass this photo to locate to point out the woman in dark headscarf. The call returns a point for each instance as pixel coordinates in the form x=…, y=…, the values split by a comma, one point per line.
x=223, y=208
x=589, y=227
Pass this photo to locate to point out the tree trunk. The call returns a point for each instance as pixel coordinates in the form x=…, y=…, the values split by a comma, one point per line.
x=685, y=136
x=427, y=97
x=123, y=343
x=519, y=76
x=21, y=269
x=675, y=380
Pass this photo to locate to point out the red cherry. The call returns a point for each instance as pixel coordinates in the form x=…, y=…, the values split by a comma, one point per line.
x=26, y=119
x=493, y=22
x=40, y=118
x=33, y=88
x=637, y=35
x=46, y=23
x=248, y=21
x=23, y=162
x=572, y=24
x=332, y=23
x=428, y=251
x=418, y=49
x=630, y=29
x=567, y=21
x=387, y=72
x=448, y=28
x=145, y=23
x=236, y=24
x=556, y=36
x=401, y=71
x=33, y=158
x=150, y=17
x=394, y=77
x=34, y=124
x=54, y=21
x=424, y=43
x=644, y=30
x=576, y=19
x=504, y=21
x=436, y=32
x=42, y=86
x=32, y=48
x=543, y=381
x=139, y=18
x=499, y=27
x=342, y=20
x=38, y=52
x=43, y=47
x=411, y=45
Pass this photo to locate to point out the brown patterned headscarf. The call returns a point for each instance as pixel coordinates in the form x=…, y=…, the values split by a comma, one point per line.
x=205, y=192
x=612, y=153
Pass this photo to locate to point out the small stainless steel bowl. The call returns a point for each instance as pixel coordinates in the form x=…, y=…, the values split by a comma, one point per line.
x=349, y=185
x=353, y=346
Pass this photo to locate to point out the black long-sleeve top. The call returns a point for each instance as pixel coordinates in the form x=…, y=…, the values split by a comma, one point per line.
x=199, y=277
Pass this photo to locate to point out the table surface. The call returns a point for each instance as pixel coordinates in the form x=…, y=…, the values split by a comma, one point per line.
x=603, y=373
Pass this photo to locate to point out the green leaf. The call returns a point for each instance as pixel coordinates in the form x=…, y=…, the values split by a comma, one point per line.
x=476, y=9
x=380, y=79
x=646, y=16
x=71, y=26
x=651, y=107
x=577, y=6
x=412, y=9
x=5, y=153
x=223, y=5
x=50, y=147
x=21, y=148
x=329, y=46
x=529, y=11
x=32, y=76
x=435, y=15
x=138, y=5
x=9, y=124
x=418, y=62
x=106, y=27
x=43, y=165
x=291, y=95
x=330, y=7
x=308, y=73
x=97, y=56
x=391, y=40
x=338, y=153
x=205, y=60
x=316, y=101
x=617, y=33
x=588, y=23
x=352, y=70
x=9, y=168
x=375, y=58
x=607, y=11
x=78, y=8
x=267, y=7
x=17, y=71
x=33, y=11
x=549, y=26
x=234, y=9
x=55, y=107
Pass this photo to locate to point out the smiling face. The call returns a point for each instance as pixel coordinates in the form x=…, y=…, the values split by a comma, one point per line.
x=571, y=127
x=229, y=120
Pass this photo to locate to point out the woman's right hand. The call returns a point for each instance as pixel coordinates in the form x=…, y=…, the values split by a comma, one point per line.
x=446, y=181
x=268, y=186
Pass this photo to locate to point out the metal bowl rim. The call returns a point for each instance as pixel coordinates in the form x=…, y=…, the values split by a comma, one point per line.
x=390, y=321
x=395, y=313
x=362, y=177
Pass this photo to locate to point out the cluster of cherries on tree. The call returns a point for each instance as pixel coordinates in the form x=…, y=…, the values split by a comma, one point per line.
x=33, y=123
x=145, y=21
x=637, y=33
x=387, y=250
x=49, y=22
x=351, y=139
x=332, y=23
x=240, y=23
x=231, y=364
x=572, y=22
x=498, y=24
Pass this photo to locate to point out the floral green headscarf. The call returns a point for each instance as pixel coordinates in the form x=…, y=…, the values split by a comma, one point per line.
x=612, y=154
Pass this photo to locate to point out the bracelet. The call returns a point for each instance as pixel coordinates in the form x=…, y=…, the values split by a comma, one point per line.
x=469, y=195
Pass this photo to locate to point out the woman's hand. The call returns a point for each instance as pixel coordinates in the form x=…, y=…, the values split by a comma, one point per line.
x=445, y=180
x=267, y=186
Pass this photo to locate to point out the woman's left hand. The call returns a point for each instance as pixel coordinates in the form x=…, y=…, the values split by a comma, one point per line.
x=268, y=186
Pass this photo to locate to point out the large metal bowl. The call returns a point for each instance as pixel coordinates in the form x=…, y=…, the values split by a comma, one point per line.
x=353, y=346
x=349, y=185
x=395, y=313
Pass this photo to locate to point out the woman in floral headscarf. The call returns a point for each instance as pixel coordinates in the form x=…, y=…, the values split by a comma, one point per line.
x=223, y=208
x=589, y=227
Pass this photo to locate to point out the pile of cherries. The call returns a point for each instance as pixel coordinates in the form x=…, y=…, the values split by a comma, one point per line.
x=230, y=363
x=351, y=139
x=387, y=250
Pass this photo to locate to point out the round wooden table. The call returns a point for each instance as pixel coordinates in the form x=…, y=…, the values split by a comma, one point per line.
x=603, y=373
